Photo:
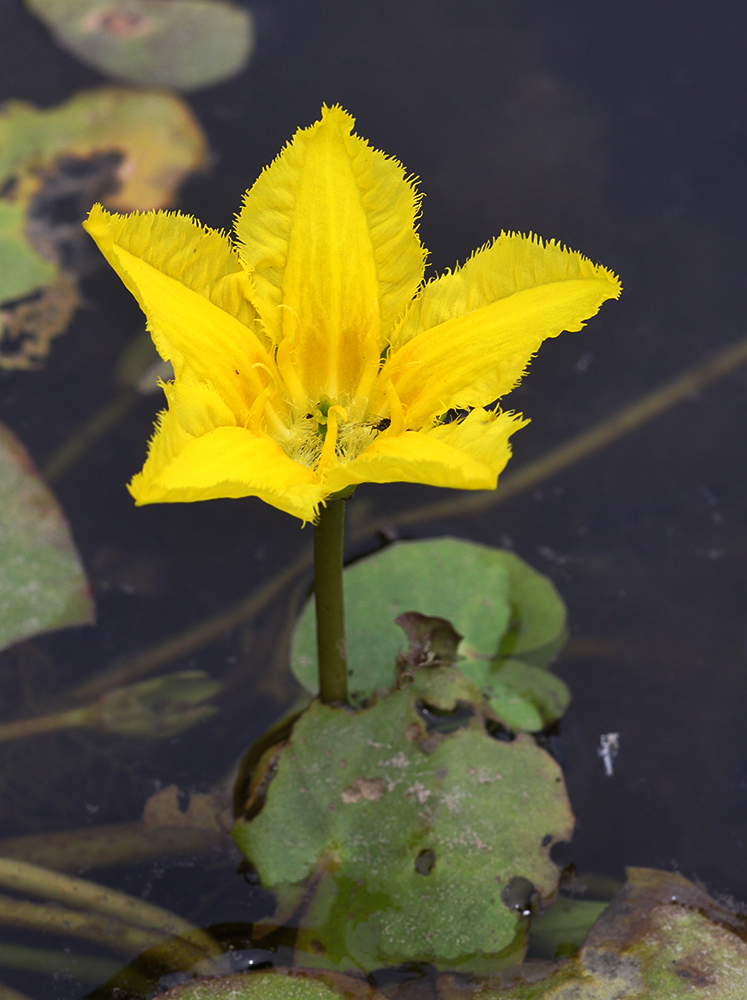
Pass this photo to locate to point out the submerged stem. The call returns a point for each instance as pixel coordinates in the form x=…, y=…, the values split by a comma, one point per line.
x=330, y=612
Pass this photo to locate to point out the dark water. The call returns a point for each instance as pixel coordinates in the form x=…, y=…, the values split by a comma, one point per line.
x=619, y=130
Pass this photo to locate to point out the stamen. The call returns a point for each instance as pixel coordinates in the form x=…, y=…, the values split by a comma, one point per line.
x=262, y=406
x=329, y=448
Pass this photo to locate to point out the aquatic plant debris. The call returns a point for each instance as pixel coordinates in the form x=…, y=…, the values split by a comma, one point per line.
x=43, y=585
x=405, y=832
x=186, y=44
x=309, y=357
x=511, y=620
x=130, y=149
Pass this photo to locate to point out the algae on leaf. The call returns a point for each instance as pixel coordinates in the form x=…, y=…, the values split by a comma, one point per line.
x=162, y=43
x=42, y=583
x=414, y=834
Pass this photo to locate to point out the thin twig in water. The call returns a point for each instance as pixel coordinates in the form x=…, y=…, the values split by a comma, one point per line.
x=51, y=918
x=165, y=831
x=141, y=664
x=629, y=419
x=21, y=876
x=623, y=422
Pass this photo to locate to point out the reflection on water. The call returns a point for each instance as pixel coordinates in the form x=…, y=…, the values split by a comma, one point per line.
x=613, y=130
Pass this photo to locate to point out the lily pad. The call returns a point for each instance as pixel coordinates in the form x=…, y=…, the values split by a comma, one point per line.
x=162, y=43
x=491, y=597
x=510, y=619
x=525, y=698
x=411, y=833
x=42, y=583
x=538, y=625
x=22, y=269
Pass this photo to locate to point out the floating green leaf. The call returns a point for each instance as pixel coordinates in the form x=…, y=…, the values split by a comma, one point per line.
x=422, y=837
x=538, y=614
x=22, y=269
x=525, y=698
x=42, y=583
x=501, y=606
x=163, y=43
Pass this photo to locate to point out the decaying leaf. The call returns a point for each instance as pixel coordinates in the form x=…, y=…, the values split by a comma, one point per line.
x=28, y=326
x=661, y=938
x=128, y=149
x=42, y=583
x=185, y=44
x=409, y=832
x=205, y=811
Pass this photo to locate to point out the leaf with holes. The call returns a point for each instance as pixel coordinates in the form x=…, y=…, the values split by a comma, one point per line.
x=498, y=603
x=510, y=618
x=405, y=832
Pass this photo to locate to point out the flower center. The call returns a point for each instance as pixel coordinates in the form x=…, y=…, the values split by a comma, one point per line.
x=319, y=438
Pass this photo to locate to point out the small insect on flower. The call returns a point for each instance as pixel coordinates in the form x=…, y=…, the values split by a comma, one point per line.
x=309, y=354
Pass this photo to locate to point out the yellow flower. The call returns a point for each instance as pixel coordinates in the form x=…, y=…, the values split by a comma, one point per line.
x=310, y=356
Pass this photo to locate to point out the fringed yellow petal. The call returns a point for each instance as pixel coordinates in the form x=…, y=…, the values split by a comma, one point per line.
x=413, y=457
x=225, y=462
x=469, y=336
x=204, y=342
x=201, y=258
x=328, y=235
x=512, y=263
x=197, y=407
x=483, y=435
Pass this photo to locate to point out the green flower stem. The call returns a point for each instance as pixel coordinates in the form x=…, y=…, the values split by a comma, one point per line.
x=330, y=611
